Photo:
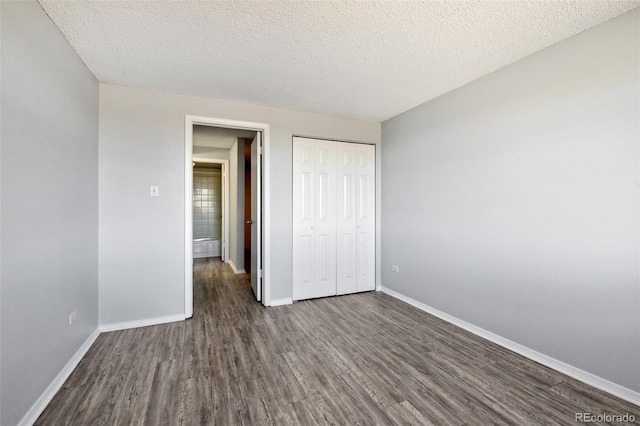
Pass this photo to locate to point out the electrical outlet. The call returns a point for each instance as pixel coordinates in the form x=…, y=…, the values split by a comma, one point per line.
x=394, y=268
x=73, y=316
x=154, y=191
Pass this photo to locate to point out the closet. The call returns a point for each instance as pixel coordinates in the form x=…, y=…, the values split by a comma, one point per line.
x=333, y=218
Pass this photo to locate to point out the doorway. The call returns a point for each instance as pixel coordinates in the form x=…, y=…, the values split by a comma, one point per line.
x=260, y=203
x=210, y=208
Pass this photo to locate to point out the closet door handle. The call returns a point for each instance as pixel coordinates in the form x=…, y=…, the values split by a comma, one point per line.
x=313, y=227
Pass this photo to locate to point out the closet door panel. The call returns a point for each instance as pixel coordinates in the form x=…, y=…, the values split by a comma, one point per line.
x=304, y=217
x=306, y=260
x=346, y=175
x=365, y=217
x=325, y=215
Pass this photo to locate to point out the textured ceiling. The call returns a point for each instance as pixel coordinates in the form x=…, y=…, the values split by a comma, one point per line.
x=364, y=59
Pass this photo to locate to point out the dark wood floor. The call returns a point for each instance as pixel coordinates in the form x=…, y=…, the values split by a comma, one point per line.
x=359, y=359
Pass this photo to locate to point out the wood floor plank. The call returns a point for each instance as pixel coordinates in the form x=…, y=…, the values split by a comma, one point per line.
x=131, y=404
x=300, y=413
x=358, y=359
x=403, y=413
x=164, y=404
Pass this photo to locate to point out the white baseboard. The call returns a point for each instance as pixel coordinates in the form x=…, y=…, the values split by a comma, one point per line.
x=51, y=390
x=562, y=367
x=140, y=323
x=235, y=270
x=280, y=302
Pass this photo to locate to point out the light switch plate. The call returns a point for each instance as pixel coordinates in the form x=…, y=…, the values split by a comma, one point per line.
x=154, y=191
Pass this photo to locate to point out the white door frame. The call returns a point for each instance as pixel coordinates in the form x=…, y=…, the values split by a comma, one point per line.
x=225, y=201
x=190, y=121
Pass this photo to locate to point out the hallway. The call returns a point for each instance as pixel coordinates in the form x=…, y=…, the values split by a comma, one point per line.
x=358, y=359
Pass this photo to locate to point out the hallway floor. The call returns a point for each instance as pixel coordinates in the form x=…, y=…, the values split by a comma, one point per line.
x=358, y=359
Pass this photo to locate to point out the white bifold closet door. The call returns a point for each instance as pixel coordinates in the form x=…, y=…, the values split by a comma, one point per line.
x=334, y=218
x=314, y=218
x=356, y=222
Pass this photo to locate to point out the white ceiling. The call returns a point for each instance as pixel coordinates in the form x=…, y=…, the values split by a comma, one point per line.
x=365, y=59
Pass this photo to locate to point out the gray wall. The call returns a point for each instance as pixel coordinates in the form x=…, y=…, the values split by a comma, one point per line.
x=142, y=238
x=512, y=202
x=49, y=213
x=207, y=152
